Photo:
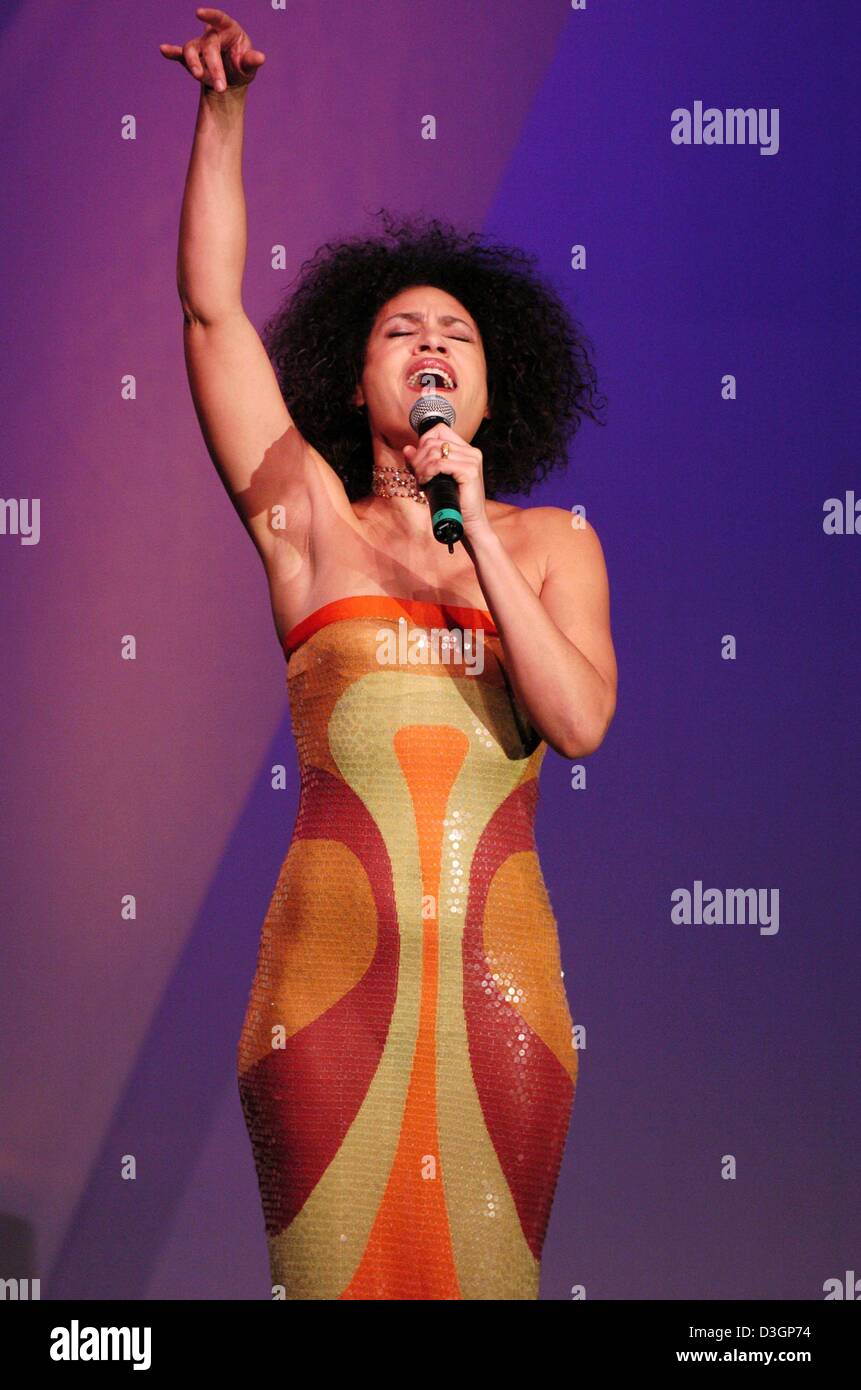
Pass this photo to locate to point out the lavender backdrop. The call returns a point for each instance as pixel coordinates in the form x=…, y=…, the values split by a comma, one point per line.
x=151, y=777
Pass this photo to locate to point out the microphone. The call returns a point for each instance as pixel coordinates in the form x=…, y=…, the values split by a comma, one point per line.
x=442, y=490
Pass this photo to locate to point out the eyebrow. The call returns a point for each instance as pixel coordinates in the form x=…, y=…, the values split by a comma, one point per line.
x=417, y=318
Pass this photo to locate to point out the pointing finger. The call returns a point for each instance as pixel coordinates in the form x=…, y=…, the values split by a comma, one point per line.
x=217, y=18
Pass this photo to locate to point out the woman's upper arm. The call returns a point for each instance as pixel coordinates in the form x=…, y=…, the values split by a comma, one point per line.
x=576, y=591
x=259, y=454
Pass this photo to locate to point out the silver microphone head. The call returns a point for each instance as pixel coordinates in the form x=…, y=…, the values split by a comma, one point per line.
x=432, y=405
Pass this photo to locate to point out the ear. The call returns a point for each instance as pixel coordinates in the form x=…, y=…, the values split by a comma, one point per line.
x=358, y=397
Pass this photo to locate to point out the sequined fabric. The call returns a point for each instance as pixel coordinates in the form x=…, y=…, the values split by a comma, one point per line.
x=406, y=1067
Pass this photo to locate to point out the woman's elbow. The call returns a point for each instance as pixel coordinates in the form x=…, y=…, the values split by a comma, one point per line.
x=586, y=738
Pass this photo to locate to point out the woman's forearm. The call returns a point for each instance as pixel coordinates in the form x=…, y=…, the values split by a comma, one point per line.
x=213, y=230
x=567, y=700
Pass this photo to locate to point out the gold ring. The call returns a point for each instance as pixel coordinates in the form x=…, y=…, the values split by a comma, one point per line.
x=444, y=453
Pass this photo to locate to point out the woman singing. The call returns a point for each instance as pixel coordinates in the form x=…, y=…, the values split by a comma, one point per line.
x=406, y=1067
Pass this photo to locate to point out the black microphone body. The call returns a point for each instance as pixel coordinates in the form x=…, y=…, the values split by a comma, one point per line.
x=442, y=490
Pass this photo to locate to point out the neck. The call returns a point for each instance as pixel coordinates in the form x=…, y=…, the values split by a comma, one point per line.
x=395, y=498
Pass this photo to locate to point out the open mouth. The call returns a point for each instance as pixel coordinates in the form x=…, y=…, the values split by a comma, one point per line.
x=432, y=374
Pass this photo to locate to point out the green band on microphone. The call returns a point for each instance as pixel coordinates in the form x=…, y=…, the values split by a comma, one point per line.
x=446, y=514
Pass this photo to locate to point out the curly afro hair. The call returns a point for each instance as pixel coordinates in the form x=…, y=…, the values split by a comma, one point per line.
x=540, y=377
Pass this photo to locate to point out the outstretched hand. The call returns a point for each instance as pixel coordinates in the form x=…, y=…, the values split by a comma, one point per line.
x=221, y=57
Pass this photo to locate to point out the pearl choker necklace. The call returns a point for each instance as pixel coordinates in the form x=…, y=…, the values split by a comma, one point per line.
x=396, y=482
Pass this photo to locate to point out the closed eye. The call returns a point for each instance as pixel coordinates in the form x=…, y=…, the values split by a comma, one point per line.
x=451, y=335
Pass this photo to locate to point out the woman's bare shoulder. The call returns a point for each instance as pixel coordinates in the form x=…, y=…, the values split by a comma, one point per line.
x=529, y=521
x=543, y=534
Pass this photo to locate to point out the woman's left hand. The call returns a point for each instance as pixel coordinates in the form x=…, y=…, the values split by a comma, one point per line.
x=464, y=464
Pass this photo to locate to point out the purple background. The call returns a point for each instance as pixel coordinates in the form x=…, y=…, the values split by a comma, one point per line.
x=152, y=777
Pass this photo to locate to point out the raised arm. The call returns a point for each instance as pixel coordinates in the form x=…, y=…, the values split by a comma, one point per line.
x=260, y=456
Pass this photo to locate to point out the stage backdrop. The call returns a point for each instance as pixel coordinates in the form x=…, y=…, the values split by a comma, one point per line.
x=714, y=1138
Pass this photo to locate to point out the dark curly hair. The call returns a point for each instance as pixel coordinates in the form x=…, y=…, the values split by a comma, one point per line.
x=540, y=377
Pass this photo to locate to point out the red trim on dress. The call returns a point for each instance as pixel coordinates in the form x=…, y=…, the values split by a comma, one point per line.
x=385, y=606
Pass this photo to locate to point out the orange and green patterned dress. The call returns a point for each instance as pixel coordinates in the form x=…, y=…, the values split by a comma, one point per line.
x=406, y=1064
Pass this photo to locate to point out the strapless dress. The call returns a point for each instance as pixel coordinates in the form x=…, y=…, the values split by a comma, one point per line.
x=406, y=1063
